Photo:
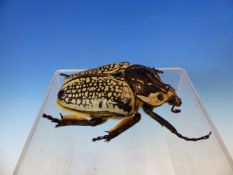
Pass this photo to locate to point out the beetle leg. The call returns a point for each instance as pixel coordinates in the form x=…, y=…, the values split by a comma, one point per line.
x=94, y=121
x=119, y=128
x=75, y=120
x=65, y=75
x=148, y=109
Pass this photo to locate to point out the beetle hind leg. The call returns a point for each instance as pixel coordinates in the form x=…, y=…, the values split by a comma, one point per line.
x=64, y=75
x=75, y=120
x=119, y=128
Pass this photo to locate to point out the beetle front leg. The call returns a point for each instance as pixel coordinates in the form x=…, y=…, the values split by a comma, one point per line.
x=75, y=120
x=165, y=123
x=119, y=128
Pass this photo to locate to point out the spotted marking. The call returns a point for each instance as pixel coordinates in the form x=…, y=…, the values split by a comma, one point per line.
x=115, y=96
x=116, y=69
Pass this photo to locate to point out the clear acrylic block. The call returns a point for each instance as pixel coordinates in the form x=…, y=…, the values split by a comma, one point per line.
x=145, y=149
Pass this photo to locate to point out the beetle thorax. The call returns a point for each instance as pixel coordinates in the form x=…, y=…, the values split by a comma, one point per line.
x=147, y=85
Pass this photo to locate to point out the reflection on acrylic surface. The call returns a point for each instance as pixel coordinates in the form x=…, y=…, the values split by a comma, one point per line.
x=146, y=148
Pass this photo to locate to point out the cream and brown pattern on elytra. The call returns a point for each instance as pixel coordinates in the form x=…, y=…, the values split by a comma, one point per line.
x=116, y=69
x=97, y=95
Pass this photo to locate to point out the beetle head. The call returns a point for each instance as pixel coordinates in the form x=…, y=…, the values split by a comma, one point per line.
x=149, y=88
x=173, y=100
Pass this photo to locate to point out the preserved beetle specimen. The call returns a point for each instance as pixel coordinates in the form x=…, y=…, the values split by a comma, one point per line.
x=115, y=91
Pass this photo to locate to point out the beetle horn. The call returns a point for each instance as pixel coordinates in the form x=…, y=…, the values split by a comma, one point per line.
x=175, y=110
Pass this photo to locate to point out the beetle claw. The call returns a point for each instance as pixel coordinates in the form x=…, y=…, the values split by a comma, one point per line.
x=175, y=110
x=106, y=141
x=52, y=119
x=106, y=138
x=99, y=138
x=61, y=116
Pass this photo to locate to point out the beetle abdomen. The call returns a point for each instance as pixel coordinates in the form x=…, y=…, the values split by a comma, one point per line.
x=97, y=94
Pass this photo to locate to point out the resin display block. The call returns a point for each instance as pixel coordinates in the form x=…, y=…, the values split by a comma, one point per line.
x=145, y=149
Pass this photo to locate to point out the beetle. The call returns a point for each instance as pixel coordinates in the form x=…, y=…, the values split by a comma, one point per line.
x=115, y=91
